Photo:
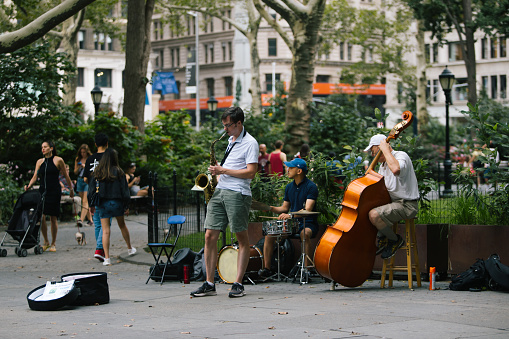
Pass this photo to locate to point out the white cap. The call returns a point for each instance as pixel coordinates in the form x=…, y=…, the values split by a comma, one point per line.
x=375, y=141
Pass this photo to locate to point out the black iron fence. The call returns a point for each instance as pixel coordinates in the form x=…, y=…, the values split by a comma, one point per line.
x=167, y=201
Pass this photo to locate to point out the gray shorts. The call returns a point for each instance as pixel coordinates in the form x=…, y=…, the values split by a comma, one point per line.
x=398, y=210
x=225, y=207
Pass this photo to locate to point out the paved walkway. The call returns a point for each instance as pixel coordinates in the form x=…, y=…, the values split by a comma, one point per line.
x=284, y=310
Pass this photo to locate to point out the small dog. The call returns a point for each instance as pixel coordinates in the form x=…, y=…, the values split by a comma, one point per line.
x=80, y=238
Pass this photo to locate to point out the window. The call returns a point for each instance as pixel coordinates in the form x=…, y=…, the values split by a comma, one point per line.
x=493, y=48
x=272, y=47
x=400, y=92
x=503, y=47
x=99, y=41
x=503, y=86
x=109, y=43
x=230, y=50
x=161, y=58
x=435, y=53
x=211, y=49
x=428, y=90
x=228, y=86
x=223, y=47
x=81, y=39
x=436, y=88
x=427, y=53
x=460, y=89
x=103, y=77
x=188, y=21
x=322, y=79
x=494, y=87
x=349, y=51
x=205, y=47
x=485, y=83
x=210, y=87
x=268, y=81
x=156, y=30
x=484, y=48
x=455, y=51
x=341, y=51
x=177, y=52
x=211, y=24
x=177, y=95
x=81, y=77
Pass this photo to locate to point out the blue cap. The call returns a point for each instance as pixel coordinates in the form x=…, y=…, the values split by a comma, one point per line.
x=299, y=163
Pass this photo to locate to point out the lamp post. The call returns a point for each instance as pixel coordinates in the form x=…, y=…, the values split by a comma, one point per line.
x=212, y=105
x=197, y=70
x=447, y=82
x=97, y=95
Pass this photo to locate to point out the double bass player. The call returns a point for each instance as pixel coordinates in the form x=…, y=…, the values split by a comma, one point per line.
x=401, y=183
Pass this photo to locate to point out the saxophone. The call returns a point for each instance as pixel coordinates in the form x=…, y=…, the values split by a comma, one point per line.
x=208, y=182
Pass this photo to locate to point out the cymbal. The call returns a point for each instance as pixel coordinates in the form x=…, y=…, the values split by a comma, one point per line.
x=267, y=217
x=259, y=206
x=304, y=212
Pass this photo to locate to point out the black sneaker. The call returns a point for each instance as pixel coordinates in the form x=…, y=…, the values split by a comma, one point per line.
x=237, y=291
x=381, y=243
x=265, y=273
x=204, y=290
x=392, y=247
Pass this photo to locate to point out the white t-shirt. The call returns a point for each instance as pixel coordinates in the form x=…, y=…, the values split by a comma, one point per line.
x=245, y=151
x=404, y=186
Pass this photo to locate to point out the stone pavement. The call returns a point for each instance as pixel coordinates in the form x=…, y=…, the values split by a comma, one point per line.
x=279, y=309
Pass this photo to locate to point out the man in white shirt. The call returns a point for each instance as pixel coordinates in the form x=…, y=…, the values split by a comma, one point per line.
x=231, y=201
x=401, y=183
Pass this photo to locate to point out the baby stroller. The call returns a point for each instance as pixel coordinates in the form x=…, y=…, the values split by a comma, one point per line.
x=24, y=225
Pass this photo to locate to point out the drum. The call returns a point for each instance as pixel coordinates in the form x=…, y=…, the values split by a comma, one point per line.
x=227, y=263
x=279, y=227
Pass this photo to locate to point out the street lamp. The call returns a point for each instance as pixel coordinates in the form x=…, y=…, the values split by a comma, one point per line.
x=97, y=95
x=197, y=70
x=212, y=105
x=447, y=82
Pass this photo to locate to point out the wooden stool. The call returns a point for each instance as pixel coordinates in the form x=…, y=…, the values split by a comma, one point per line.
x=411, y=249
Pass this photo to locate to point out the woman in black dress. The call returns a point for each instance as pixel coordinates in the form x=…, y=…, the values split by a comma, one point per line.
x=48, y=169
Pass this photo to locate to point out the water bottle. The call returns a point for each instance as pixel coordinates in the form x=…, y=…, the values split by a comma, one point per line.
x=432, y=277
x=186, y=274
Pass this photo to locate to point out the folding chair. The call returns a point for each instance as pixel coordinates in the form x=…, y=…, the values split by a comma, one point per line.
x=175, y=223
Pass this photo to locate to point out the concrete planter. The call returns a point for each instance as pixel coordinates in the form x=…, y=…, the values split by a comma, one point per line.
x=453, y=248
x=469, y=242
x=432, y=247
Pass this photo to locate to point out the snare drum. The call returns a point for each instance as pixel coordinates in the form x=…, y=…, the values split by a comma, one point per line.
x=279, y=227
x=227, y=263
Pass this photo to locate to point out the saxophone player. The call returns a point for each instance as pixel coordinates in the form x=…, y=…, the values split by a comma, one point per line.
x=231, y=200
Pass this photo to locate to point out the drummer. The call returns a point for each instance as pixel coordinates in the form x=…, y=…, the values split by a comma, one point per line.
x=300, y=194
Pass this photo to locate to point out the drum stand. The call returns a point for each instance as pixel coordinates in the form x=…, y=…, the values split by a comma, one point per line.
x=301, y=264
x=278, y=275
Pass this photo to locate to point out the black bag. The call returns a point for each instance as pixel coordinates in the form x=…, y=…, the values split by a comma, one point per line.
x=200, y=271
x=93, y=194
x=175, y=271
x=476, y=277
x=92, y=286
x=498, y=272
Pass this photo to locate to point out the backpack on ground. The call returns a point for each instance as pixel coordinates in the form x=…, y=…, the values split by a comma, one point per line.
x=498, y=272
x=476, y=277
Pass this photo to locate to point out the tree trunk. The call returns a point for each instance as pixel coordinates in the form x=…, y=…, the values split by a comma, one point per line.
x=422, y=83
x=69, y=45
x=255, y=90
x=139, y=14
x=470, y=52
x=300, y=94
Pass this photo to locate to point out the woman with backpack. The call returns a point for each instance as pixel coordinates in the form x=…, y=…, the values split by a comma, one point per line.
x=114, y=199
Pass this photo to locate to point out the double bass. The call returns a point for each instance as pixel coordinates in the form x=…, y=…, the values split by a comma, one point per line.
x=346, y=251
